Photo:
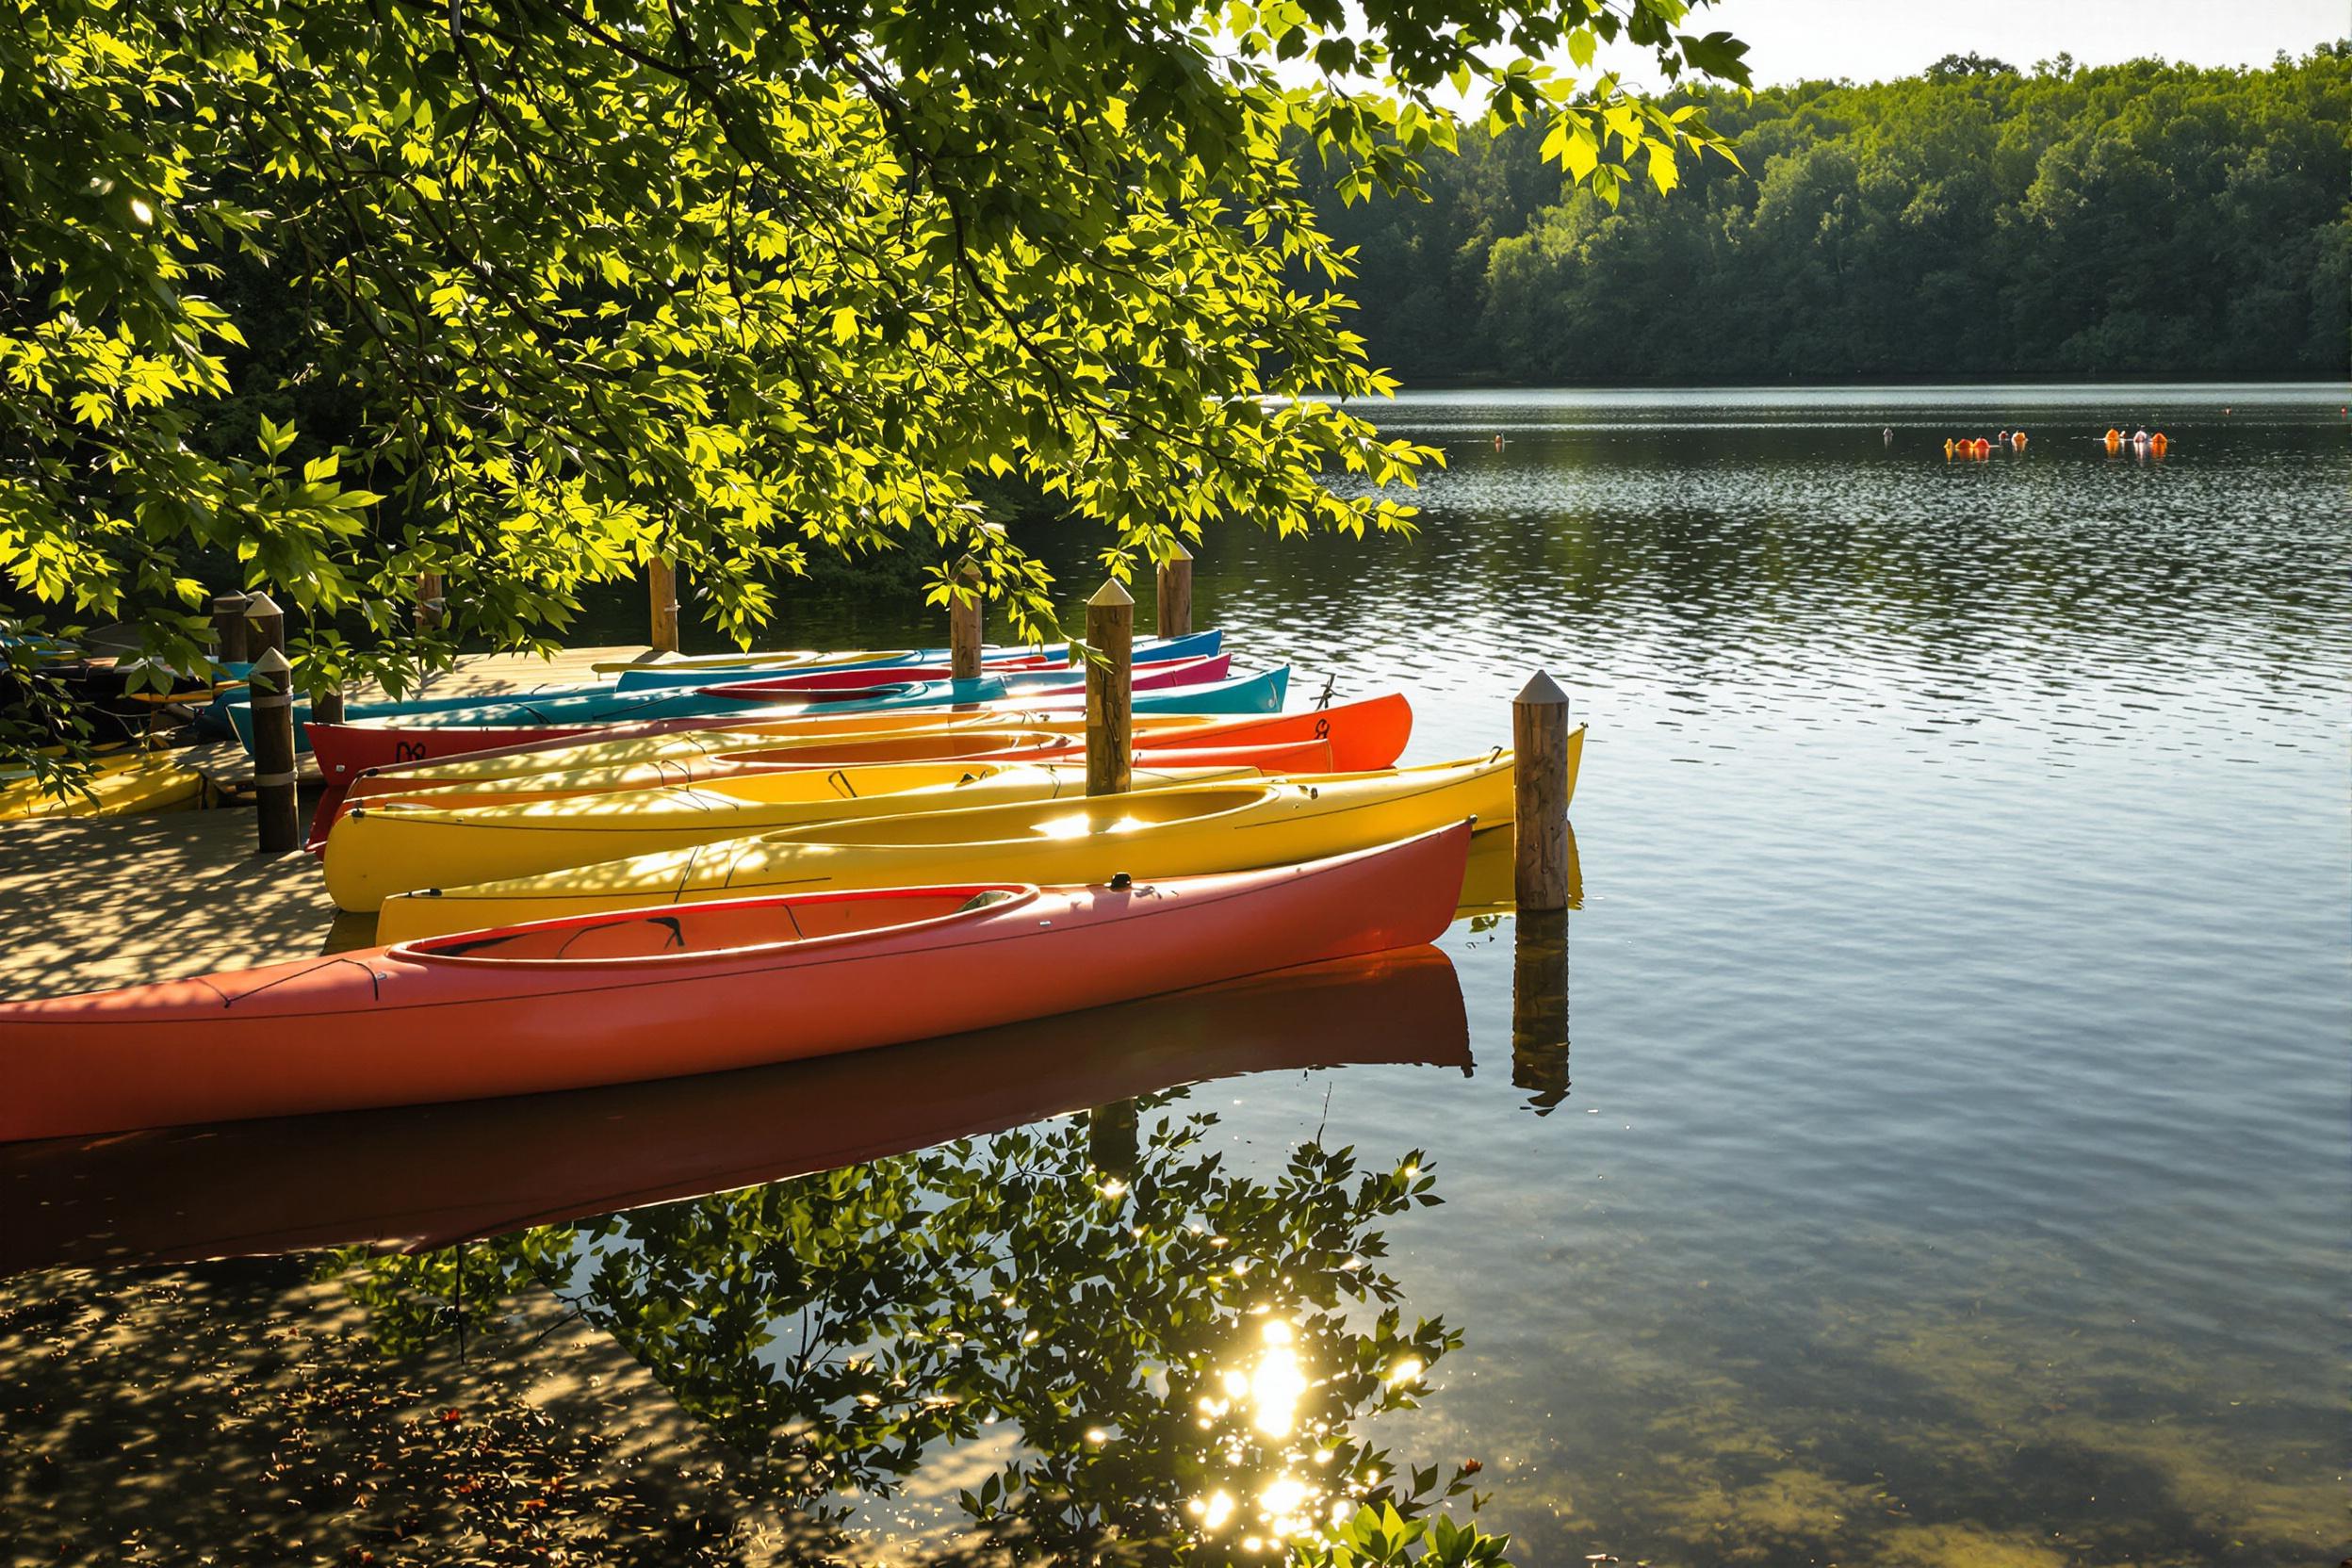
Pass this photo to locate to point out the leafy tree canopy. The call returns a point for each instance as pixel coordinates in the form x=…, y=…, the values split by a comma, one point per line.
x=552, y=287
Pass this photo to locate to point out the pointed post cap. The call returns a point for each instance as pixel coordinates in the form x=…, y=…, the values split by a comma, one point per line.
x=271, y=670
x=260, y=606
x=1111, y=596
x=1540, y=692
x=1177, y=551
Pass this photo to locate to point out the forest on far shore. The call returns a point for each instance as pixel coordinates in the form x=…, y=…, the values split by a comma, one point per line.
x=1977, y=220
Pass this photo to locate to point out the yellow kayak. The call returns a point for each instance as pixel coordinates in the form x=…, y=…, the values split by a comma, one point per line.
x=1190, y=831
x=403, y=843
x=122, y=784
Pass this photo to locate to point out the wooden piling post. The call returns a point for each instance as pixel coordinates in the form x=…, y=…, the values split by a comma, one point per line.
x=1175, y=618
x=1110, y=689
x=1539, y=736
x=963, y=625
x=1114, y=1139
x=661, y=590
x=264, y=627
x=431, y=600
x=228, y=628
x=273, y=752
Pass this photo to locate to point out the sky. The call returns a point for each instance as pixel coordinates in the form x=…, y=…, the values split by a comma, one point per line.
x=1873, y=39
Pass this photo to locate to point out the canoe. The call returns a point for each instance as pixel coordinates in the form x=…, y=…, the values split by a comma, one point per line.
x=1190, y=831
x=968, y=748
x=618, y=999
x=396, y=846
x=1362, y=736
x=601, y=705
x=121, y=784
x=232, y=710
x=881, y=671
x=1019, y=682
x=348, y=749
x=415, y=1177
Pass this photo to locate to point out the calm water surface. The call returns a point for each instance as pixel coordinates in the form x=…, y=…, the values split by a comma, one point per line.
x=1951, y=1162
x=1943, y=1159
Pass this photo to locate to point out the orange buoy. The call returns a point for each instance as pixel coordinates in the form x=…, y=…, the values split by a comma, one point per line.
x=2114, y=439
x=1948, y=443
x=2018, y=440
x=1983, y=448
x=2157, y=444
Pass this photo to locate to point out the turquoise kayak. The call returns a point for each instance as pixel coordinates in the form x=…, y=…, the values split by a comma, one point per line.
x=1263, y=693
x=680, y=697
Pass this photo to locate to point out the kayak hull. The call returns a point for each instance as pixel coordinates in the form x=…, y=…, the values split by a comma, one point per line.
x=575, y=1003
x=1188, y=830
x=347, y=750
x=378, y=851
x=121, y=785
x=410, y=1178
x=1362, y=736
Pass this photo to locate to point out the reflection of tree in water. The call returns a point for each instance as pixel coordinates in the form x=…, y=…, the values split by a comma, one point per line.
x=1184, y=1348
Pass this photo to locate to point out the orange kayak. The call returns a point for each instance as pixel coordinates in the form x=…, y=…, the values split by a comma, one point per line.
x=1354, y=737
x=656, y=994
x=420, y=1176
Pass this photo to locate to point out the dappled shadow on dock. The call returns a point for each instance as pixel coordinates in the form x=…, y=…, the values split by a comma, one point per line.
x=117, y=901
x=239, y=1411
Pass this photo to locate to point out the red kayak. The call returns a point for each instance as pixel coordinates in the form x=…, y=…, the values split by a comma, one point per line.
x=656, y=994
x=423, y=1176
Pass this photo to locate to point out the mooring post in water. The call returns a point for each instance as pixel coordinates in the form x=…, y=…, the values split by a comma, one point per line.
x=431, y=600
x=228, y=628
x=1539, y=1007
x=1114, y=1139
x=661, y=593
x=963, y=624
x=264, y=627
x=1175, y=593
x=1110, y=689
x=1539, y=736
x=273, y=752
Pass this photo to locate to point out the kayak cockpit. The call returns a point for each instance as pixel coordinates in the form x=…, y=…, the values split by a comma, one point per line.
x=703, y=930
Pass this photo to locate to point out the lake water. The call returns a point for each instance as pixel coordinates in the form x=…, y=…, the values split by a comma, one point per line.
x=1939, y=1155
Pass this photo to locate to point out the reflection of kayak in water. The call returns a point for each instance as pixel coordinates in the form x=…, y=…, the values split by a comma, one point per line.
x=432, y=1175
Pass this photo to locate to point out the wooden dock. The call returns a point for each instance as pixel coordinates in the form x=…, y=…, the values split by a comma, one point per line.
x=111, y=901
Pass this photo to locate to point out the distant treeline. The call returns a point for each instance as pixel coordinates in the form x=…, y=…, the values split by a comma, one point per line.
x=1974, y=221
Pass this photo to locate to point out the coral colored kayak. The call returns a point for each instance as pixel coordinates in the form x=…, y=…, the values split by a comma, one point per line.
x=1190, y=831
x=396, y=846
x=421, y=1176
x=660, y=993
x=968, y=749
x=347, y=750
